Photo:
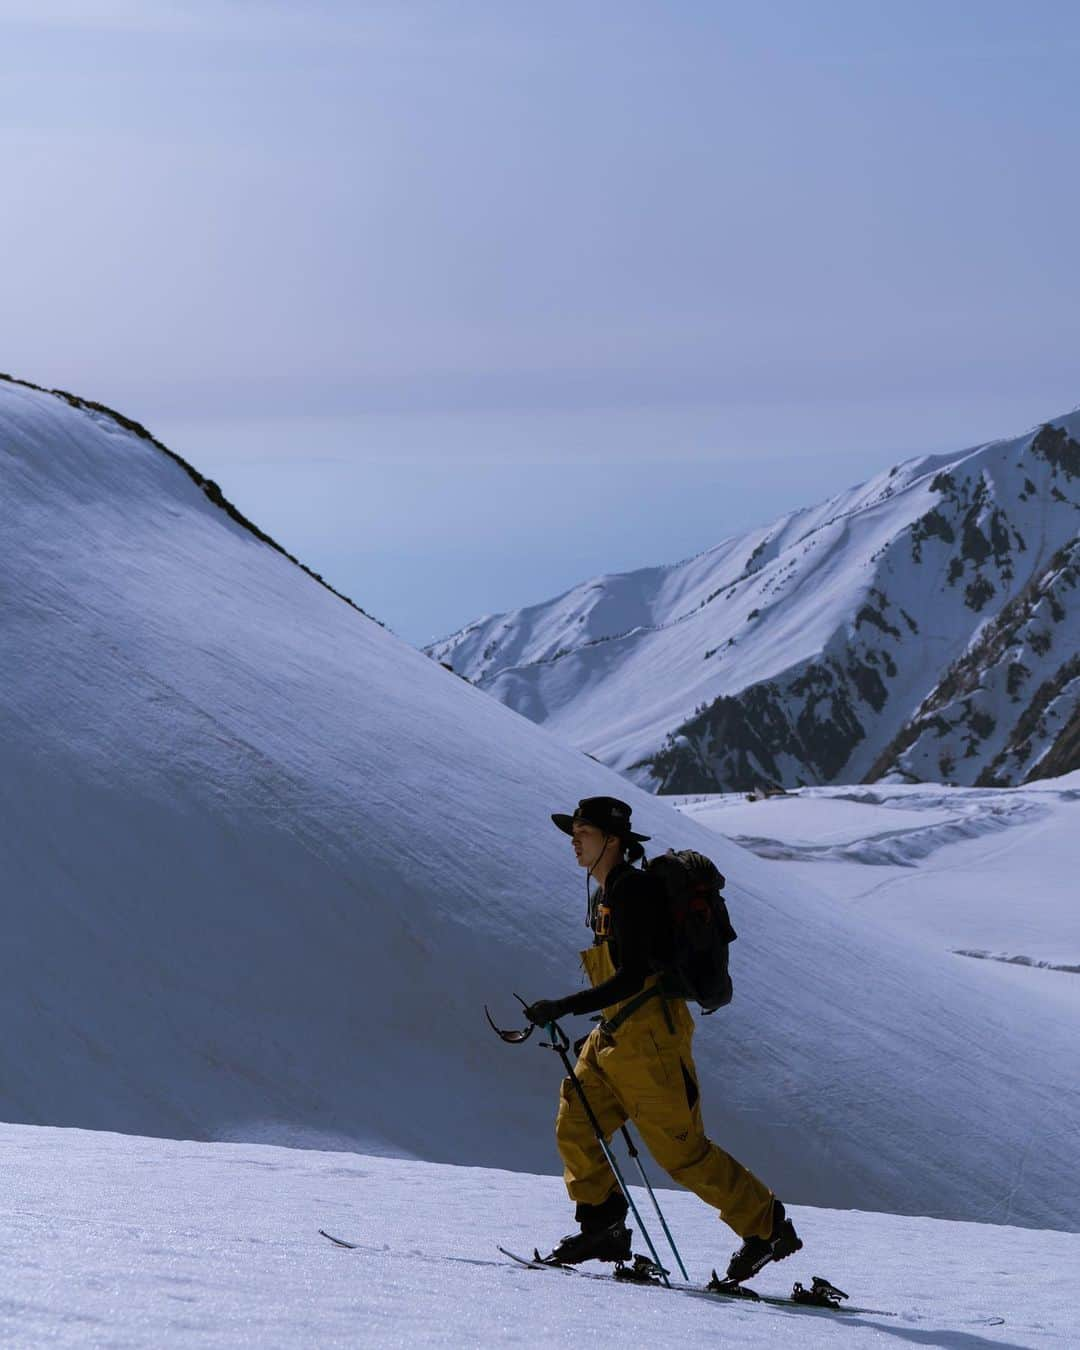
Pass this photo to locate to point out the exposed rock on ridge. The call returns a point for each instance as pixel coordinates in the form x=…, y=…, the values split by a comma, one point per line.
x=1011, y=702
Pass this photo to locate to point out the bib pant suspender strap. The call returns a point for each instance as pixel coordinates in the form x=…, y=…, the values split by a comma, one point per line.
x=612, y=1024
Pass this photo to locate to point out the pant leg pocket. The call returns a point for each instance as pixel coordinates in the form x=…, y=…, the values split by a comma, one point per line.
x=693, y=1092
x=657, y=1067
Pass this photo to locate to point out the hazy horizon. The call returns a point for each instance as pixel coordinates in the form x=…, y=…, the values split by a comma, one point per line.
x=465, y=304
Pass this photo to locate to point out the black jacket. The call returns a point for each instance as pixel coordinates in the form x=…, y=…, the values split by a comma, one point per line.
x=639, y=938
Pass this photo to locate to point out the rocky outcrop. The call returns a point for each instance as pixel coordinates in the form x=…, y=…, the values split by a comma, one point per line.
x=1002, y=713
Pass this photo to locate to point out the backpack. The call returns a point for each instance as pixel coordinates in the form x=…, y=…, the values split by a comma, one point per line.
x=701, y=931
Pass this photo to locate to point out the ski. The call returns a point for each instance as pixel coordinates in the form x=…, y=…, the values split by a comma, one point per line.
x=640, y=1270
x=639, y=1273
x=821, y=1294
x=813, y=1299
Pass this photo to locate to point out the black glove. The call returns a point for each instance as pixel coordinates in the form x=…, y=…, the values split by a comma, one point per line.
x=544, y=1010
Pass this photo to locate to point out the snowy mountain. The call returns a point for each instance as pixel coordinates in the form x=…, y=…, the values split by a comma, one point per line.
x=264, y=863
x=841, y=643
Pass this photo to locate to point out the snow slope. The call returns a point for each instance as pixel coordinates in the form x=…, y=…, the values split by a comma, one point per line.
x=264, y=863
x=981, y=872
x=129, y=1242
x=799, y=652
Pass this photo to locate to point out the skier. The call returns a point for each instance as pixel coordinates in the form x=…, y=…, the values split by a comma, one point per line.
x=637, y=1064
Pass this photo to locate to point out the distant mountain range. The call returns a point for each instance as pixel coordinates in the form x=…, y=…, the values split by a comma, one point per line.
x=922, y=626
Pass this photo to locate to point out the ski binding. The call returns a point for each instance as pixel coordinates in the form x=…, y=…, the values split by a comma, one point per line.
x=821, y=1293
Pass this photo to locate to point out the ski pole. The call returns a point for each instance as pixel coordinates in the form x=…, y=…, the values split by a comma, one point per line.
x=560, y=1042
x=652, y=1196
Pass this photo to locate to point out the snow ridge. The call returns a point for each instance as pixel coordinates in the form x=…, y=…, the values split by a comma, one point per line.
x=212, y=491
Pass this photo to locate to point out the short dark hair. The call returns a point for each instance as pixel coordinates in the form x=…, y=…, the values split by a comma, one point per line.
x=632, y=851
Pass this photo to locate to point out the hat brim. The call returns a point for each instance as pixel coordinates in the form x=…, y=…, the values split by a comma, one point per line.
x=566, y=824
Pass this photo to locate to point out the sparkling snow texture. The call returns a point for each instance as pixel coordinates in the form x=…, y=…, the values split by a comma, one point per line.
x=120, y=1241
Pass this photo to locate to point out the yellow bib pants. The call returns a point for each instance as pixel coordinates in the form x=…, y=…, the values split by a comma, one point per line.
x=644, y=1072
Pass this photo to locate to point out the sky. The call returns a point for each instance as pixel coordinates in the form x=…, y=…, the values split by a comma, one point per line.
x=464, y=302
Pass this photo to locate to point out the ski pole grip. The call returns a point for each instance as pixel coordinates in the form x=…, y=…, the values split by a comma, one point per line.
x=560, y=1040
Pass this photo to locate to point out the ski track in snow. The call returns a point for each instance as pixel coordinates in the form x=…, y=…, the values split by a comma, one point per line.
x=1018, y=961
x=124, y=1241
x=903, y=847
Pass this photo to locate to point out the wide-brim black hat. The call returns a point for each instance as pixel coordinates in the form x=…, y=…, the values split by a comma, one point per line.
x=604, y=813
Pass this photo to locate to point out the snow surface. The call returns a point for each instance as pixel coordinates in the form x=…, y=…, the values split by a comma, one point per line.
x=988, y=871
x=111, y=1240
x=264, y=863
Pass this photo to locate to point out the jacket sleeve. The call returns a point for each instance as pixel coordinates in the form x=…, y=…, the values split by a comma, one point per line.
x=632, y=921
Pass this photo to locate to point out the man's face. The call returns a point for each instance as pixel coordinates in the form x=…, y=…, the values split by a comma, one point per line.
x=588, y=843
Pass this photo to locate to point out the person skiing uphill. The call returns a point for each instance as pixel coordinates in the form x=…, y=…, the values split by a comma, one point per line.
x=636, y=1064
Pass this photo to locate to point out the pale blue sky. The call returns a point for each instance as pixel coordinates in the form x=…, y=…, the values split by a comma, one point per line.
x=466, y=301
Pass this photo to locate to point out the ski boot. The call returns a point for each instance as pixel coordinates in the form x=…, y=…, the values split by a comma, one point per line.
x=758, y=1252
x=602, y=1244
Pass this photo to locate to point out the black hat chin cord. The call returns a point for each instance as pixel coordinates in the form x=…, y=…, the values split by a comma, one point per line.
x=588, y=878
